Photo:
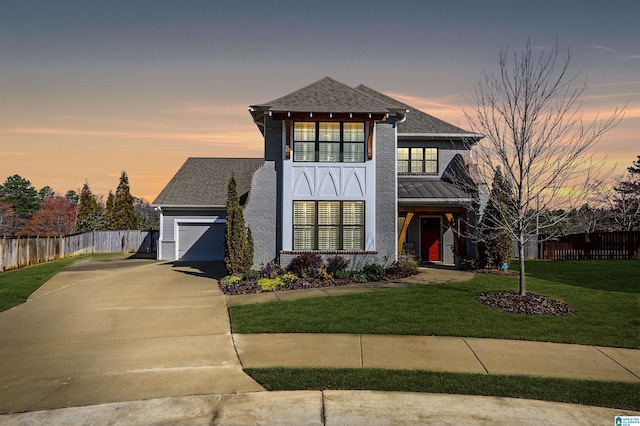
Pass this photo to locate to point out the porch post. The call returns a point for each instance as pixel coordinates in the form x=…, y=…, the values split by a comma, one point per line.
x=403, y=231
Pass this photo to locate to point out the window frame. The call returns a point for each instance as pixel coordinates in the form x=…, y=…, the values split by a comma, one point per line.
x=317, y=158
x=317, y=226
x=409, y=161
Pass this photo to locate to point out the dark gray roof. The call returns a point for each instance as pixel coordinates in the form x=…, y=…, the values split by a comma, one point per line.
x=417, y=121
x=429, y=189
x=327, y=95
x=203, y=181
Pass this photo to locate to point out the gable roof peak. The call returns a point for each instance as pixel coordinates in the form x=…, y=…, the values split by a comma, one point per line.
x=326, y=95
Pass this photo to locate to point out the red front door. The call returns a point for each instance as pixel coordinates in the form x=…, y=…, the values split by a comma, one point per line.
x=430, y=239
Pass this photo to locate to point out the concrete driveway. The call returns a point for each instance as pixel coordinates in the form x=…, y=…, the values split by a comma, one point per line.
x=110, y=330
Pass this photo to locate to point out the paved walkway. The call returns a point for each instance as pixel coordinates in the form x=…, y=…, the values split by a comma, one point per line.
x=136, y=342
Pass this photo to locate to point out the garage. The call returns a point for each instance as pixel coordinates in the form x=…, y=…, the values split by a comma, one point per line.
x=200, y=240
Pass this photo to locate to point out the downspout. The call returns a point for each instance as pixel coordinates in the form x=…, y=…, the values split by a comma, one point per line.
x=404, y=118
x=160, y=235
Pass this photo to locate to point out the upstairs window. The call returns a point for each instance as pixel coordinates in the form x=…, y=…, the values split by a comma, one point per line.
x=333, y=142
x=418, y=161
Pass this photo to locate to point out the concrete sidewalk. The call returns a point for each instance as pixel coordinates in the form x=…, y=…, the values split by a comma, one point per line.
x=451, y=354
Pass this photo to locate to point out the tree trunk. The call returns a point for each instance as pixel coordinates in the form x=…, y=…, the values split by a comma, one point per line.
x=521, y=260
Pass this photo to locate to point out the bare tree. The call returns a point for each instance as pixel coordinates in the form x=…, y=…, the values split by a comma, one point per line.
x=529, y=112
x=623, y=203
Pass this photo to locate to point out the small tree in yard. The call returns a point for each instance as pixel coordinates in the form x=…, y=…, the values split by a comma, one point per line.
x=238, y=241
x=529, y=114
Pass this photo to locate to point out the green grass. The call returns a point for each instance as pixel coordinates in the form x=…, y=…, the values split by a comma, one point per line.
x=605, y=295
x=16, y=285
x=587, y=392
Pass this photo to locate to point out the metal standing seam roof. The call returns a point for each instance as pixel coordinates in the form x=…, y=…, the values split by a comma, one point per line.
x=203, y=181
x=429, y=189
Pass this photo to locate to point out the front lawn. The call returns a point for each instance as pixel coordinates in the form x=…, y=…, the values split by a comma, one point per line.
x=604, y=294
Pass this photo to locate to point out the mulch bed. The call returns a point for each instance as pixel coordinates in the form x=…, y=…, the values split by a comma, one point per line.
x=529, y=304
x=250, y=287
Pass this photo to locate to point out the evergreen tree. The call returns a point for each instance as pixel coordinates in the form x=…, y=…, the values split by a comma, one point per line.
x=123, y=215
x=495, y=245
x=249, y=250
x=109, y=209
x=72, y=196
x=90, y=213
x=238, y=257
x=44, y=193
x=19, y=192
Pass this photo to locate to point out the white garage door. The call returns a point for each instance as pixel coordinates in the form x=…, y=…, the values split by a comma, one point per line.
x=201, y=241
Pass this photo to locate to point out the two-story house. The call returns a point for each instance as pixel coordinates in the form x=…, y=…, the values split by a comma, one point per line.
x=346, y=171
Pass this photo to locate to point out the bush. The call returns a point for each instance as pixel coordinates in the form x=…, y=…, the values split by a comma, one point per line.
x=407, y=263
x=343, y=274
x=306, y=263
x=288, y=278
x=469, y=264
x=269, y=284
x=251, y=274
x=373, y=270
x=270, y=270
x=231, y=280
x=337, y=263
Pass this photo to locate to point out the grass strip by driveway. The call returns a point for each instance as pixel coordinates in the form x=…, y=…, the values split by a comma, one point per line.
x=587, y=392
x=605, y=295
x=17, y=284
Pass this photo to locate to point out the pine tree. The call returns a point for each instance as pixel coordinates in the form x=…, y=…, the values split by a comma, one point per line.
x=91, y=215
x=19, y=192
x=238, y=256
x=109, y=209
x=123, y=215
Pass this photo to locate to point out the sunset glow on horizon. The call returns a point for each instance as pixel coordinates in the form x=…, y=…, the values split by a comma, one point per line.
x=89, y=89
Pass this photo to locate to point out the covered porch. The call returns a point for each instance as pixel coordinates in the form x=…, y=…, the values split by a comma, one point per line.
x=433, y=233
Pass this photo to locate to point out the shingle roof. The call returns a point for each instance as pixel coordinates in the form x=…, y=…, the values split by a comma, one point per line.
x=417, y=121
x=429, y=189
x=203, y=181
x=327, y=95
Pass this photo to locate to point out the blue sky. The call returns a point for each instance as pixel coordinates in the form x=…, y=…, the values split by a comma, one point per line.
x=91, y=88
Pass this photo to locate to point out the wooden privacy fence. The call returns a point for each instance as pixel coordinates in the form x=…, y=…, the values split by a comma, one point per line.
x=24, y=251
x=597, y=246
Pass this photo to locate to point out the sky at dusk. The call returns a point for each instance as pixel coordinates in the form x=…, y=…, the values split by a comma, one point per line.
x=91, y=88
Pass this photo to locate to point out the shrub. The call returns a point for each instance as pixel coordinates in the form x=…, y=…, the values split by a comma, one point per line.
x=373, y=270
x=270, y=270
x=337, y=263
x=231, y=280
x=269, y=284
x=343, y=274
x=323, y=274
x=251, y=274
x=306, y=263
x=469, y=264
x=288, y=278
x=407, y=263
